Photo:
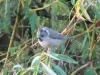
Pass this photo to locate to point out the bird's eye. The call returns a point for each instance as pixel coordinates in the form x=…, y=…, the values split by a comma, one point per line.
x=42, y=36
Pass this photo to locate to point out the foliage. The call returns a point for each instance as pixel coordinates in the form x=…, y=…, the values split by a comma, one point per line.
x=21, y=55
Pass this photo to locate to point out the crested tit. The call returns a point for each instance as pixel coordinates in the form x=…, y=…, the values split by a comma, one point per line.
x=49, y=38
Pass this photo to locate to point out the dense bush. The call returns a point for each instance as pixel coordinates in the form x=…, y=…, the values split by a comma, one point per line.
x=20, y=53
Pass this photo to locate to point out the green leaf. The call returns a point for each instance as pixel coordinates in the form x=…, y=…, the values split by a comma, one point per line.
x=58, y=69
x=36, y=61
x=36, y=70
x=48, y=70
x=62, y=57
x=84, y=12
x=59, y=6
x=27, y=1
x=17, y=66
x=97, y=67
x=94, y=54
x=85, y=51
x=5, y=24
x=32, y=20
x=89, y=71
x=12, y=50
x=5, y=71
x=26, y=10
x=61, y=49
x=72, y=2
x=84, y=41
x=88, y=33
x=51, y=56
x=96, y=11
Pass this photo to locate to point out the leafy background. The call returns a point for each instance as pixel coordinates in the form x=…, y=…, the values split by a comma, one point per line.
x=20, y=52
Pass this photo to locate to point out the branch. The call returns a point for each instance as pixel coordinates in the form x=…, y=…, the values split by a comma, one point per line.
x=80, y=68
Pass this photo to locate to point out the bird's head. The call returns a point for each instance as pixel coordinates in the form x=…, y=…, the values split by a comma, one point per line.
x=42, y=33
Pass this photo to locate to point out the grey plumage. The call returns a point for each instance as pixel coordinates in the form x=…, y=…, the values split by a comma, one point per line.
x=54, y=34
x=49, y=38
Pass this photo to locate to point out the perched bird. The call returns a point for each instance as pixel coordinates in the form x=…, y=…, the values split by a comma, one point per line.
x=49, y=38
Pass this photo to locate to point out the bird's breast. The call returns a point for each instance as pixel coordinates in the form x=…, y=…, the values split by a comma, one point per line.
x=44, y=44
x=49, y=42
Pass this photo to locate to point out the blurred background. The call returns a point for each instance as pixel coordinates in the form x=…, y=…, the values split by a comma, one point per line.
x=19, y=22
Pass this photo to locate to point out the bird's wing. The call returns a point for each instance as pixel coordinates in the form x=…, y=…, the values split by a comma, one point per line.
x=55, y=35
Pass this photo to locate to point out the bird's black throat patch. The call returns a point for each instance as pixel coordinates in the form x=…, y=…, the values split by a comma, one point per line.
x=40, y=39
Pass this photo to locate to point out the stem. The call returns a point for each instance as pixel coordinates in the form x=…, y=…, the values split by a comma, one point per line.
x=11, y=41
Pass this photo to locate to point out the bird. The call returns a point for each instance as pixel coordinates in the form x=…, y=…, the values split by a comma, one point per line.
x=49, y=38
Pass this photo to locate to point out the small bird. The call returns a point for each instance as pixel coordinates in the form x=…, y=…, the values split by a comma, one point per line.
x=49, y=38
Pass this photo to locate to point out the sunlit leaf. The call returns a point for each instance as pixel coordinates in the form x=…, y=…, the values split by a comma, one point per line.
x=48, y=70
x=62, y=57
x=51, y=56
x=36, y=61
x=18, y=66
x=73, y=2
x=86, y=15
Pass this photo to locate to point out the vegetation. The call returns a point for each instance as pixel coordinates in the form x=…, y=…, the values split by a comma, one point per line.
x=20, y=53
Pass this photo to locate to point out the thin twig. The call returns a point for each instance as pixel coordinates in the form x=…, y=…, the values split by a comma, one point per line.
x=92, y=46
x=3, y=54
x=68, y=28
x=11, y=41
x=80, y=68
x=31, y=10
